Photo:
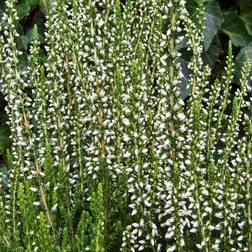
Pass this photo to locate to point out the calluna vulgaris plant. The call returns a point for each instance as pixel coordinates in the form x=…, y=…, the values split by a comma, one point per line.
x=105, y=154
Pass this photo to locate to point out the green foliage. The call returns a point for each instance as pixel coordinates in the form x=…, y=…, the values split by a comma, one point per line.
x=23, y=7
x=224, y=17
x=97, y=208
x=122, y=139
x=213, y=22
x=235, y=28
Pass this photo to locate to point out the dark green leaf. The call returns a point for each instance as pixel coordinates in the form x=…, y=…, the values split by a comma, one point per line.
x=245, y=5
x=235, y=28
x=246, y=14
x=247, y=19
x=213, y=21
x=239, y=61
x=23, y=7
x=23, y=42
x=211, y=55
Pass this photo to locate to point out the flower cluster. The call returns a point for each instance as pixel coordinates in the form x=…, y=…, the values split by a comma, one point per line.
x=106, y=155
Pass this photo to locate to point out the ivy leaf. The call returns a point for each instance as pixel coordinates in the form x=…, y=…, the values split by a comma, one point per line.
x=235, y=28
x=23, y=42
x=245, y=5
x=247, y=19
x=211, y=55
x=23, y=7
x=246, y=14
x=239, y=61
x=25, y=39
x=213, y=22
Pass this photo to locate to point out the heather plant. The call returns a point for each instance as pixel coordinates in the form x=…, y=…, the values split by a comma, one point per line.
x=106, y=155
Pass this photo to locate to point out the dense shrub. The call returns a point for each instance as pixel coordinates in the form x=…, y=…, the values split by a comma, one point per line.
x=106, y=156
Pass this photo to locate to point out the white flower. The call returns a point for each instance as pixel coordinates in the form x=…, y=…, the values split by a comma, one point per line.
x=199, y=246
x=205, y=192
x=33, y=189
x=130, y=180
x=147, y=203
x=171, y=249
x=131, y=190
x=29, y=177
x=91, y=78
x=208, y=210
x=240, y=238
x=126, y=155
x=162, y=70
x=100, y=23
x=141, y=248
x=54, y=207
x=181, y=116
x=193, y=230
x=126, y=138
x=126, y=122
x=169, y=235
x=135, y=225
x=219, y=215
x=134, y=212
x=144, y=151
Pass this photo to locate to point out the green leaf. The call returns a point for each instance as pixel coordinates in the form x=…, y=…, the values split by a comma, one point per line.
x=245, y=5
x=25, y=39
x=239, y=61
x=211, y=55
x=246, y=14
x=213, y=22
x=235, y=28
x=247, y=19
x=23, y=42
x=23, y=7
